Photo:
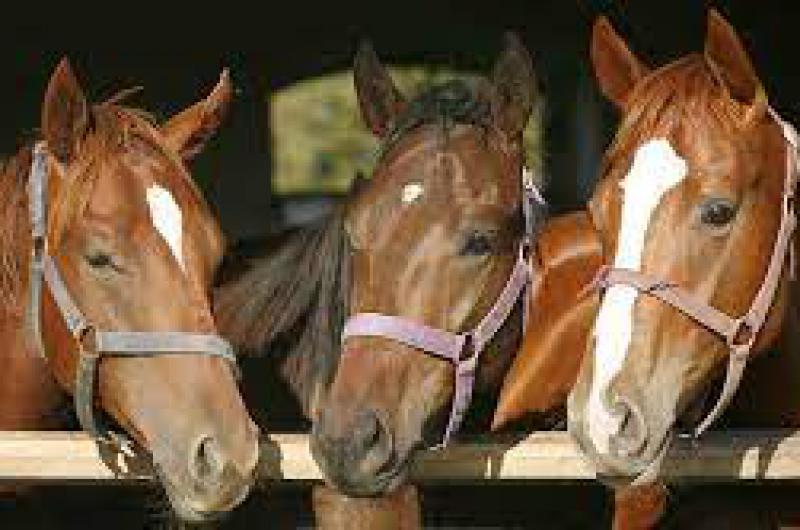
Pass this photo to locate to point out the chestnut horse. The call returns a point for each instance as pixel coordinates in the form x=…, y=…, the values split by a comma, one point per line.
x=568, y=255
x=431, y=239
x=129, y=250
x=712, y=161
x=711, y=232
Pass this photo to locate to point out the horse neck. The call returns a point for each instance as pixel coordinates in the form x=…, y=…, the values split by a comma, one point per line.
x=568, y=255
x=34, y=400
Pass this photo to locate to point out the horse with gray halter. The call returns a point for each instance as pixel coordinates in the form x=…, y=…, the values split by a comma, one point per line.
x=107, y=252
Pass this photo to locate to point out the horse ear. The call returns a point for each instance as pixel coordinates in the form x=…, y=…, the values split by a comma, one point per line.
x=379, y=99
x=515, y=86
x=616, y=67
x=65, y=113
x=726, y=52
x=188, y=131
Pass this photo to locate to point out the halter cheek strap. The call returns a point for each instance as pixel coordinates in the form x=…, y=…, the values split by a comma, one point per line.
x=92, y=344
x=462, y=350
x=739, y=333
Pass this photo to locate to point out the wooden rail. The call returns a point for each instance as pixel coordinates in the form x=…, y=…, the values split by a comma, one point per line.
x=724, y=456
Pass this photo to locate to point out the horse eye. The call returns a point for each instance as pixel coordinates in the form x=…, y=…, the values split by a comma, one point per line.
x=717, y=212
x=100, y=260
x=476, y=244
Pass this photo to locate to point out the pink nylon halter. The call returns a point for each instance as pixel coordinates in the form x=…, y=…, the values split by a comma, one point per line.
x=463, y=349
x=739, y=333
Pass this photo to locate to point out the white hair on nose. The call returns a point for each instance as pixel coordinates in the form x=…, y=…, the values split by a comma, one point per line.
x=167, y=219
x=412, y=192
x=656, y=169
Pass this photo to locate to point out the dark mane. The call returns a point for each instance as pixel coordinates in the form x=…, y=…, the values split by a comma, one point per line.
x=293, y=299
x=462, y=101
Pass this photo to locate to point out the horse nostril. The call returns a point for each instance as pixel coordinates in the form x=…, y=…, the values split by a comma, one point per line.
x=631, y=438
x=207, y=464
x=367, y=431
x=374, y=443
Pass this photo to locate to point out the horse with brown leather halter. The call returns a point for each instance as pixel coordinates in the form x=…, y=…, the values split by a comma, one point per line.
x=429, y=275
x=741, y=167
x=115, y=247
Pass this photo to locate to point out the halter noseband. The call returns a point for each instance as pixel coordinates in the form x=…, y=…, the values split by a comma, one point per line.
x=739, y=333
x=93, y=344
x=463, y=349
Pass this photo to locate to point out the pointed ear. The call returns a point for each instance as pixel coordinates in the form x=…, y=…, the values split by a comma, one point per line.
x=188, y=131
x=616, y=67
x=380, y=101
x=725, y=50
x=515, y=87
x=65, y=113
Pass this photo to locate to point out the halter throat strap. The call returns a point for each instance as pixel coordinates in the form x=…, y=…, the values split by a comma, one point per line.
x=740, y=333
x=92, y=344
x=462, y=350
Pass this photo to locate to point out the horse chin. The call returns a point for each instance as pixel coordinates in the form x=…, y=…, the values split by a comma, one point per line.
x=346, y=479
x=619, y=470
x=195, y=508
x=644, y=468
x=375, y=487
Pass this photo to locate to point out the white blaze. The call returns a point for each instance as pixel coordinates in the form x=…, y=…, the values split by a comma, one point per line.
x=167, y=219
x=412, y=192
x=656, y=169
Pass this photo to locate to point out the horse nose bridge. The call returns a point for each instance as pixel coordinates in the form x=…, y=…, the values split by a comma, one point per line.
x=206, y=412
x=371, y=374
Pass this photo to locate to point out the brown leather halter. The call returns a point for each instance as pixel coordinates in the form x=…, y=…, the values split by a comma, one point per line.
x=739, y=333
x=92, y=344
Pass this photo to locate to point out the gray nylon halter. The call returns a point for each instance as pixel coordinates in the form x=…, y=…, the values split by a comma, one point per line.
x=92, y=343
x=463, y=349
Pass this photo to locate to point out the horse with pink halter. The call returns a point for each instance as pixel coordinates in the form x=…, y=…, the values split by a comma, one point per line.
x=694, y=219
x=407, y=303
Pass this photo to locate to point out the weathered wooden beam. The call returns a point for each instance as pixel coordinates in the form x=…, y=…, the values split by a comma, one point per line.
x=723, y=456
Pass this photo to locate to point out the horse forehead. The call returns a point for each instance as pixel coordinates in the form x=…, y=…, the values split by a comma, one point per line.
x=450, y=175
x=476, y=175
x=710, y=148
x=656, y=167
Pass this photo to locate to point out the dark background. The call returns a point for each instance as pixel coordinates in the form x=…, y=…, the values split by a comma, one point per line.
x=177, y=51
